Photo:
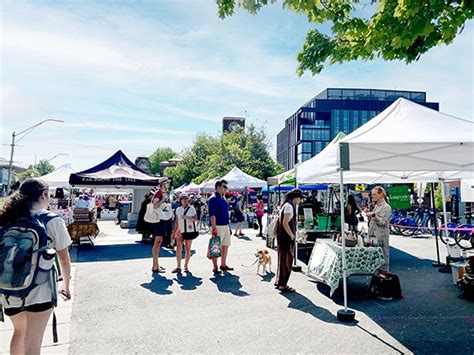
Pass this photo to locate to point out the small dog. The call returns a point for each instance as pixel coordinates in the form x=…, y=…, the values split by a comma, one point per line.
x=264, y=258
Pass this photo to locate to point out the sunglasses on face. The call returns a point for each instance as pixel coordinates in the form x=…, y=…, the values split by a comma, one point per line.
x=224, y=186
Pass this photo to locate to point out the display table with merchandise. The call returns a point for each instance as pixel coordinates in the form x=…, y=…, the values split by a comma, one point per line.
x=84, y=226
x=325, y=264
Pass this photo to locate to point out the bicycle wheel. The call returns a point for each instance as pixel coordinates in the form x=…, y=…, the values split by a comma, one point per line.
x=465, y=239
x=442, y=236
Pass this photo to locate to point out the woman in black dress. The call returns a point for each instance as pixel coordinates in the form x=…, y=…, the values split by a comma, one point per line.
x=144, y=227
x=286, y=235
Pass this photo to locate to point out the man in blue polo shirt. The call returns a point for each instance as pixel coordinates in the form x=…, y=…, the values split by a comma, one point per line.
x=219, y=215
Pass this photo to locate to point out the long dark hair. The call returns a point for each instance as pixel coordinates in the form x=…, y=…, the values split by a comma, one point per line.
x=19, y=204
x=352, y=202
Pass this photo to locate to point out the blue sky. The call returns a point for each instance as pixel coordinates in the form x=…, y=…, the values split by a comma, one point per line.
x=139, y=76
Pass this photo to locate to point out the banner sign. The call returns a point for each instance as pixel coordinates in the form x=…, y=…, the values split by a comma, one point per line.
x=399, y=196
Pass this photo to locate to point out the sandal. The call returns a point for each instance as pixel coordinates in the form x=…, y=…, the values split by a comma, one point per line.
x=186, y=269
x=176, y=271
x=286, y=289
x=160, y=270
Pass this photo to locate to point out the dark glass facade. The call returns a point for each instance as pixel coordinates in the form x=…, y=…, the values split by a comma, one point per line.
x=318, y=121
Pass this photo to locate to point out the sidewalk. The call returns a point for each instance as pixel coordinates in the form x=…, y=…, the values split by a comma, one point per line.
x=63, y=317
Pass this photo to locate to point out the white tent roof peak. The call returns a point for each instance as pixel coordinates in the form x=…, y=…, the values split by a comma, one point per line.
x=237, y=179
x=405, y=120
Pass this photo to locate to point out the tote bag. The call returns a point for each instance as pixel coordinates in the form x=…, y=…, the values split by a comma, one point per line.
x=150, y=214
x=214, y=249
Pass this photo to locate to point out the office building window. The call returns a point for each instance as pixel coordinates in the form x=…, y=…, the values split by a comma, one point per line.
x=345, y=121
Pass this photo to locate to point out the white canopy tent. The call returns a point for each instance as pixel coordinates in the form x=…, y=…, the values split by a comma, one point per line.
x=405, y=143
x=192, y=188
x=237, y=179
x=208, y=185
x=59, y=177
x=406, y=137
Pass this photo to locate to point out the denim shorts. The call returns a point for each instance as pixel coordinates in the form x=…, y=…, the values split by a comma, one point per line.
x=160, y=229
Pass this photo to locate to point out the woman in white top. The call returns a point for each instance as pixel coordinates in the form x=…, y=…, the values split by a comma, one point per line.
x=185, y=230
x=30, y=315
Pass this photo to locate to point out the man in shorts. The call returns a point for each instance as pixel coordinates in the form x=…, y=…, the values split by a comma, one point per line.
x=219, y=216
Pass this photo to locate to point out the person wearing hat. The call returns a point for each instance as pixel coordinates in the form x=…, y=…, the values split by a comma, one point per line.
x=286, y=236
x=185, y=230
x=160, y=198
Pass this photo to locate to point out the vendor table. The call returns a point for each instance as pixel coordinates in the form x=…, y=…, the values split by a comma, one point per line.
x=325, y=264
x=79, y=230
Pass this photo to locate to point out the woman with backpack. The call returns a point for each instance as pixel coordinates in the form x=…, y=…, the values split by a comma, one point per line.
x=30, y=313
x=184, y=232
x=286, y=236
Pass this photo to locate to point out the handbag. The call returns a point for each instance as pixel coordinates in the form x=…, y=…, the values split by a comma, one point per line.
x=214, y=250
x=151, y=216
x=386, y=285
x=165, y=212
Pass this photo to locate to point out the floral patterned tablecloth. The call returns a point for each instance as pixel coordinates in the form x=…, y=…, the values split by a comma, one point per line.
x=325, y=263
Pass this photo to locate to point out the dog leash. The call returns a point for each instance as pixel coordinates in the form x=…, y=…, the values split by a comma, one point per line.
x=252, y=264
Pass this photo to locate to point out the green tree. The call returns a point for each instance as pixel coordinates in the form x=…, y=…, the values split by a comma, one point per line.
x=25, y=174
x=210, y=157
x=160, y=155
x=395, y=30
x=43, y=167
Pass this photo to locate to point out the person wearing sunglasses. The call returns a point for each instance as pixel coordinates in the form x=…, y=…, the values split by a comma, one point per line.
x=219, y=215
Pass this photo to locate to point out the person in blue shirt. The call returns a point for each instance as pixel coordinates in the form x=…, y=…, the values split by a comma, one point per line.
x=219, y=216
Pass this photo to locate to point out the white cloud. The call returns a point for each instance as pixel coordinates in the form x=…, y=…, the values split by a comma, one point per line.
x=126, y=128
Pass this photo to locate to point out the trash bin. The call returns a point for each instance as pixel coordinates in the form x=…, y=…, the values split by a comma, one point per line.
x=125, y=209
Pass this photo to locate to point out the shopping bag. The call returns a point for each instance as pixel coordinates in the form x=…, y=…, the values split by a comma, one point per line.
x=214, y=249
x=151, y=216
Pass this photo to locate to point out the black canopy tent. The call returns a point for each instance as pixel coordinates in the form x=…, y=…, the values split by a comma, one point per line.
x=117, y=171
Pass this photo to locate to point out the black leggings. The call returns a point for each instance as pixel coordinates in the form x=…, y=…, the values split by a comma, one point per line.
x=260, y=223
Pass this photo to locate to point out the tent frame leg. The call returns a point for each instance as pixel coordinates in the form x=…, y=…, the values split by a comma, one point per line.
x=344, y=315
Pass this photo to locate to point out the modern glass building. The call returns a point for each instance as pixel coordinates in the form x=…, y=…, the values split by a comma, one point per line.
x=318, y=121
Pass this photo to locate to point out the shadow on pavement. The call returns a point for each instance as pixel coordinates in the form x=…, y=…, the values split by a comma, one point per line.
x=304, y=304
x=430, y=319
x=159, y=285
x=229, y=283
x=244, y=237
x=118, y=252
x=268, y=277
x=188, y=281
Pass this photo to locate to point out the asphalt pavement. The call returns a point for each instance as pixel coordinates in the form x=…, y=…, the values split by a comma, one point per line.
x=121, y=307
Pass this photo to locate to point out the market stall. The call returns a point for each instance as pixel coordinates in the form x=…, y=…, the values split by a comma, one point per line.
x=325, y=264
x=117, y=173
x=406, y=142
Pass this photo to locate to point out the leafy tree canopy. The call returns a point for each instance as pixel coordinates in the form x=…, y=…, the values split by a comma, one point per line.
x=215, y=156
x=395, y=30
x=160, y=155
x=43, y=167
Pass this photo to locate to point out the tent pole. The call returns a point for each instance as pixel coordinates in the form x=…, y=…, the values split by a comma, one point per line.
x=344, y=315
x=343, y=235
x=296, y=268
x=445, y=214
x=447, y=267
x=435, y=216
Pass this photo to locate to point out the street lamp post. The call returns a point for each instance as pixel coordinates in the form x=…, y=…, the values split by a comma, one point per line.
x=24, y=133
x=57, y=155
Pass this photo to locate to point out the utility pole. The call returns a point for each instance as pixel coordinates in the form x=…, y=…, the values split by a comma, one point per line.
x=12, y=150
